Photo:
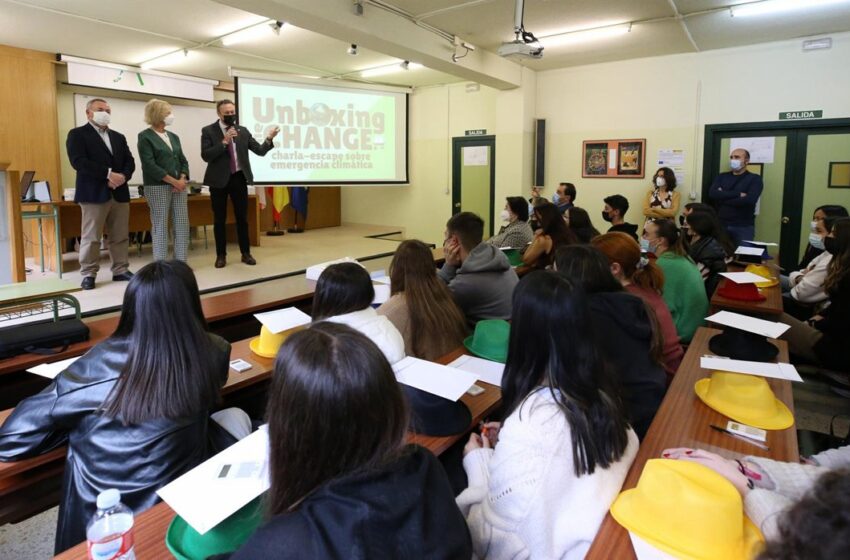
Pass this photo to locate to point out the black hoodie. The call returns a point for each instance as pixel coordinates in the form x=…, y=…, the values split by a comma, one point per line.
x=405, y=510
x=624, y=332
x=625, y=227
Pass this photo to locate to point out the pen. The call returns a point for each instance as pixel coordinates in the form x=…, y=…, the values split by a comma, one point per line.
x=742, y=438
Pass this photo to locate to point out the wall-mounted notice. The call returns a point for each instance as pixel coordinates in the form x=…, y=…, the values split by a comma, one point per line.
x=761, y=149
x=674, y=158
x=476, y=155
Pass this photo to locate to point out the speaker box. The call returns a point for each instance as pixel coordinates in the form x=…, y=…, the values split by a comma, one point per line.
x=539, y=152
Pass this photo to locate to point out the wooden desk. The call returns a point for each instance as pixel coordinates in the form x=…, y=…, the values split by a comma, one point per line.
x=769, y=308
x=200, y=214
x=683, y=421
x=151, y=525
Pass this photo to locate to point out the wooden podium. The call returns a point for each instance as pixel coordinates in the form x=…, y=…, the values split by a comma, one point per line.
x=11, y=228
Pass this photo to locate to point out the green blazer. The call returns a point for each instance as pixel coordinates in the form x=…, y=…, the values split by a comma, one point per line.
x=158, y=160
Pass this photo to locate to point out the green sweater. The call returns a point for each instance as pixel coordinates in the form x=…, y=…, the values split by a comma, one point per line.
x=684, y=293
x=158, y=160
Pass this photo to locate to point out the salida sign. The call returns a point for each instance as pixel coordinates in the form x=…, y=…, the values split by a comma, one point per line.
x=799, y=115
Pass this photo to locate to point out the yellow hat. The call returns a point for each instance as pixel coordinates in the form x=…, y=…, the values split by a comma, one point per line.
x=744, y=398
x=268, y=343
x=688, y=511
x=765, y=272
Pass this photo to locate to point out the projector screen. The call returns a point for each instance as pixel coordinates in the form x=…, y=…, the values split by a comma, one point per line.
x=328, y=134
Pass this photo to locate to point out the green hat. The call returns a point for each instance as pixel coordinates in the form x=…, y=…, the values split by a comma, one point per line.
x=187, y=544
x=514, y=257
x=490, y=340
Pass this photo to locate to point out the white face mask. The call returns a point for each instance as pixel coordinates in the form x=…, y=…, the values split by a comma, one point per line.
x=169, y=120
x=101, y=118
x=505, y=215
x=660, y=182
x=736, y=164
x=814, y=225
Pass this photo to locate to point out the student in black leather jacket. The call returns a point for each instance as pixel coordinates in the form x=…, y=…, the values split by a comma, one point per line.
x=706, y=248
x=135, y=410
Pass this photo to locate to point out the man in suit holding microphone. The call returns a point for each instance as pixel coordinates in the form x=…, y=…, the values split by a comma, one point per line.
x=224, y=146
x=104, y=164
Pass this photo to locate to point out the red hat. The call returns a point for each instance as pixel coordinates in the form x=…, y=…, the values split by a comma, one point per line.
x=743, y=292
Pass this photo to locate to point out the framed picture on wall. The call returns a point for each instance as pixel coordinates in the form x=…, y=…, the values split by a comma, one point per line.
x=595, y=159
x=839, y=175
x=630, y=158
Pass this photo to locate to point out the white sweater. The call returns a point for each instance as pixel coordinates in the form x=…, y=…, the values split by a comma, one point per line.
x=808, y=284
x=377, y=328
x=524, y=499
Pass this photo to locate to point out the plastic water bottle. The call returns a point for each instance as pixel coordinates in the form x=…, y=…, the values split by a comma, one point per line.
x=110, y=532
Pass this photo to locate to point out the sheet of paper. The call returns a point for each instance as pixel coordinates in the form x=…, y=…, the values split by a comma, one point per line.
x=50, y=371
x=755, y=251
x=380, y=276
x=283, y=319
x=476, y=155
x=761, y=149
x=668, y=157
x=777, y=371
x=743, y=277
x=612, y=159
x=205, y=498
x=313, y=272
x=762, y=243
x=769, y=329
x=382, y=294
x=486, y=370
x=443, y=381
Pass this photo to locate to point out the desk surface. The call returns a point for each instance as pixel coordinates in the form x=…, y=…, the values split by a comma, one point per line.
x=151, y=525
x=23, y=292
x=683, y=421
x=770, y=306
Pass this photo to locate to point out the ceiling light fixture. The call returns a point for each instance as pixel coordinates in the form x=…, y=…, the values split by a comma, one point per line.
x=585, y=35
x=166, y=59
x=352, y=50
x=390, y=68
x=766, y=7
x=252, y=33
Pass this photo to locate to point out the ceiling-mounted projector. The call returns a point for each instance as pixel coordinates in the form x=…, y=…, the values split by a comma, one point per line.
x=525, y=44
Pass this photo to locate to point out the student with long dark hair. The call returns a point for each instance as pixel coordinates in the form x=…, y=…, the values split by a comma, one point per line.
x=135, y=410
x=626, y=328
x=684, y=291
x=343, y=483
x=421, y=306
x=565, y=446
x=344, y=294
x=706, y=249
x=553, y=233
x=824, y=338
x=641, y=277
x=820, y=213
x=578, y=220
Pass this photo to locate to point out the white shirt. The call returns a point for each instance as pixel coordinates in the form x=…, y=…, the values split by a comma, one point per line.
x=808, y=287
x=232, y=146
x=104, y=135
x=377, y=328
x=165, y=138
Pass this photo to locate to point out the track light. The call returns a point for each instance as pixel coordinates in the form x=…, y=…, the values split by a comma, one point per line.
x=252, y=33
x=352, y=50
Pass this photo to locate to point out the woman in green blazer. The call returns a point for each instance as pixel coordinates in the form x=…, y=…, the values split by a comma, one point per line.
x=165, y=173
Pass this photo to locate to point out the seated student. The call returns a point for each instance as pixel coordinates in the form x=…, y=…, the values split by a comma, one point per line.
x=820, y=213
x=705, y=249
x=641, y=277
x=695, y=207
x=626, y=328
x=770, y=488
x=662, y=200
x=343, y=482
x=564, y=197
x=824, y=339
x=806, y=286
x=135, y=410
x=479, y=276
x=344, y=294
x=541, y=483
x=684, y=291
x=516, y=233
x=614, y=212
x=579, y=223
x=553, y=233
x=421, y=307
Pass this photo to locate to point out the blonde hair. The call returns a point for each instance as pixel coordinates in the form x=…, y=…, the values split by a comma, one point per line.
x=156, y=110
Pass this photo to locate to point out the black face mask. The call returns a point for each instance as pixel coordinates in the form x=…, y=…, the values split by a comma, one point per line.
x=681, y=221
x=830, y=245
x=229, y=120
x=606, y=216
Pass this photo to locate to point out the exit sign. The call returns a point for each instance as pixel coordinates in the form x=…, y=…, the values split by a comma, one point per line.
x=800, y=115
x=476, y=132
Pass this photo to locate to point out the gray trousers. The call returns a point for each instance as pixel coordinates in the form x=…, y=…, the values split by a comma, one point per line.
x=161, y=201
x=114, y=217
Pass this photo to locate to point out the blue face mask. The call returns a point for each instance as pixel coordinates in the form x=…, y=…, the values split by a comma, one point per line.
x=645, y=246
x=556, y=198
x=816, y=241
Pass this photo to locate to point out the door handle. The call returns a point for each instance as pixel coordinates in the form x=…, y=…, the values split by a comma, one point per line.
x=786, y=220
x=457, y=204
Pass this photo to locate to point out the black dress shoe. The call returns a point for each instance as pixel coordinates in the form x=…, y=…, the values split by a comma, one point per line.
x=88, y=283
x=123, y=277
x=220, y=261
x=248, y=259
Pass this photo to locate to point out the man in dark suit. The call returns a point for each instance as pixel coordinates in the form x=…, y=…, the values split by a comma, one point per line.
x=104, y=164
x=224, y=146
